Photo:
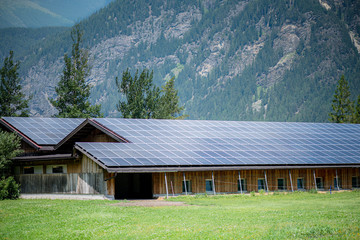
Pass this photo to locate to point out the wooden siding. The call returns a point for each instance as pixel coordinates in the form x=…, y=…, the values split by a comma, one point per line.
x=80, y=183
x=98, y=136
x=89, y=166
x=27, y=148
x=227, y=181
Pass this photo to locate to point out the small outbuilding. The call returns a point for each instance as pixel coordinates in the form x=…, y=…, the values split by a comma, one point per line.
x=146, y=158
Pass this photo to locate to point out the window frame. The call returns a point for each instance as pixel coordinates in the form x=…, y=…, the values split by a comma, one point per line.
x=188, y=186
x=339, y=182
x=321, y=186
x=37, y=169
x=302, y=182
x=357, y=180
x=264, y=184
x=243, y=185
x=284, y=184
x=211, y=185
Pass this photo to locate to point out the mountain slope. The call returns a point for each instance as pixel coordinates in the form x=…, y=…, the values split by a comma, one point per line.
x=234, y=60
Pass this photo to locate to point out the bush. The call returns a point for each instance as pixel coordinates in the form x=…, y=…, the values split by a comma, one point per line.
x=252, y=193
x=313, y=190
x=262, y=191
x=9, y=189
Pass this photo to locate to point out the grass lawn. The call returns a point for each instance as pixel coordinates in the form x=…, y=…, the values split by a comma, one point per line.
x=297, y=215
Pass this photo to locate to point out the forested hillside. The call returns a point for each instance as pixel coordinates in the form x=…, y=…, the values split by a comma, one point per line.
x=233, y=60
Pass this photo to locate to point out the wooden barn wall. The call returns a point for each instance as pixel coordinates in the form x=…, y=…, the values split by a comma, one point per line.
x=98, y=136
x=81, y=183
x=227, y=181
x=27, y=148
x=83, y=176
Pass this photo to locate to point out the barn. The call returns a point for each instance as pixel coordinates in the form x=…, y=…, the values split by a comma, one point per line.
x=147, y=158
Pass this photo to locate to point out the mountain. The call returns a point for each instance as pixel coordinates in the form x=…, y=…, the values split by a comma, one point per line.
x=271, y=60
x=44, y=13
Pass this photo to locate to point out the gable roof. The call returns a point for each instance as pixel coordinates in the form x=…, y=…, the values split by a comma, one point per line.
x=196, y=143
x=40, y=132
x=83, y=129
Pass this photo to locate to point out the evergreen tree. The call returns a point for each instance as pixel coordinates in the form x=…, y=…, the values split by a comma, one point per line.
x=141, y=96
x=342, y=106
x=169, y=103
x=9, y=148
x=72, y=91
x=144, y=100
x=356, y=118
x=13, y=102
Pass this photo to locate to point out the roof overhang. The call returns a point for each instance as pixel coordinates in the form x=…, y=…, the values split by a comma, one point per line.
x=45, y=157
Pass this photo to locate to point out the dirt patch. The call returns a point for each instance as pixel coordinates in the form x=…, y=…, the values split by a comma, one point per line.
x=148, y=203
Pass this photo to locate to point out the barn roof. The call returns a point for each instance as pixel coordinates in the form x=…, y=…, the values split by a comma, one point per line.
x=197, y=143
x=41, y=131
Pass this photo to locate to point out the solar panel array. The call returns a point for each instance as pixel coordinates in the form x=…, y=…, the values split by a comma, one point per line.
x=44, y=131
x=192, y=142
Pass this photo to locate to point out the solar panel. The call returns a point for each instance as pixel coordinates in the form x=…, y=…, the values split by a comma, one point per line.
x=220, y=142
x=44, y=131
x=129, y=154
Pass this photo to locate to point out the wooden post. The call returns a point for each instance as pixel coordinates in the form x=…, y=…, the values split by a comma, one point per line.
x=213, y=182
x=292, y=188
x=267, y=186
x=337, y=180
x=240, y=184
x=185, y=184
x=315, y=180
x=166, y=186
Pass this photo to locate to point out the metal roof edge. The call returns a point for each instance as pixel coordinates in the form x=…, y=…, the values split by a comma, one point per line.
x=45, y=157
x=25, y=138
x=223, y=168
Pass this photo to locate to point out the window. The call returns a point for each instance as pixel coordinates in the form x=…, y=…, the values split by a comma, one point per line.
x=300, y=183
x=281, y=184
x=337, y=182
x=243, y=185
x=261, y=184
x=188, y=186
x=33, y=169
x=209, y=185
x=319, y=183
x=355, y=182
x=29, y=170
x=56, y=168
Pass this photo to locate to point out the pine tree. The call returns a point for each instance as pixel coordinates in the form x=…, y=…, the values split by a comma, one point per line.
x=144, y=100
x=140, y=93
x=356, y=118
x=342, y=106
x=169, y=103
x=72, y=91
x=13, y=102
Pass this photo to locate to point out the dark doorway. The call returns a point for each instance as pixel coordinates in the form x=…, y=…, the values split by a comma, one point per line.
x=133, y=186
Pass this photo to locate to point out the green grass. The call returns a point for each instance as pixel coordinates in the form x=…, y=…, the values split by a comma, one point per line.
x=296, y=216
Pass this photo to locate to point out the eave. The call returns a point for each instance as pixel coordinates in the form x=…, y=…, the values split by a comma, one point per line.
x=45, y=157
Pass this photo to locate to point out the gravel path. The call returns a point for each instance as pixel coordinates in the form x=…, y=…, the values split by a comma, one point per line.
x=148, y=203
